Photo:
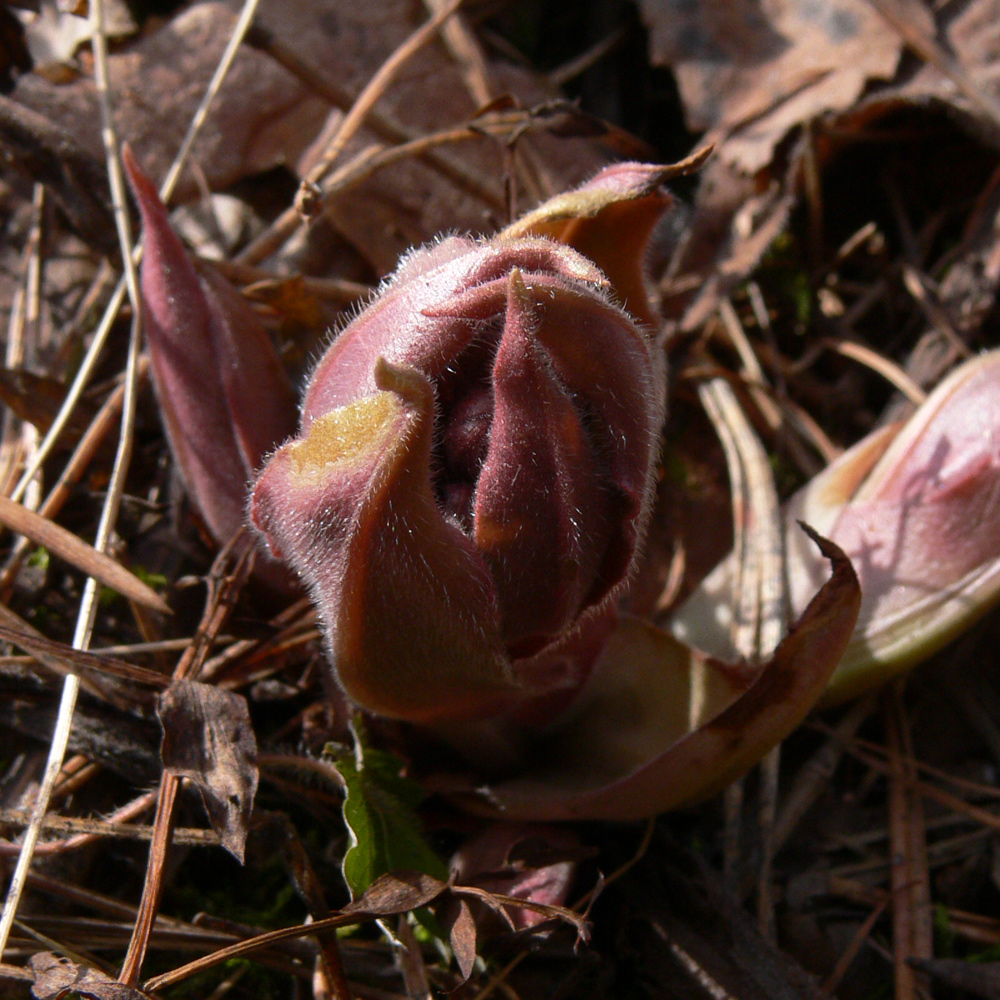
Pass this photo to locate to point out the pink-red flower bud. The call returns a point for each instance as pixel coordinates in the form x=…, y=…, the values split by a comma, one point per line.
x=472, y=476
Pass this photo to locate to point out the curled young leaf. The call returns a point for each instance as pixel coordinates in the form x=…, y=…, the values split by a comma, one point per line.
x=916, y=507
x=660, y=725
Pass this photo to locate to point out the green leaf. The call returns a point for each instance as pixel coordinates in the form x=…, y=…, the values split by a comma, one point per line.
x=39, y=557
x=380, y=814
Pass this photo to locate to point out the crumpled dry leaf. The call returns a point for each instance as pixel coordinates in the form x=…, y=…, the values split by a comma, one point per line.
x=961, y=49
x=755, y=79
x=495, y=859
x=765, y=68
x=170, y=68
x=57, y=977
x=208, y=737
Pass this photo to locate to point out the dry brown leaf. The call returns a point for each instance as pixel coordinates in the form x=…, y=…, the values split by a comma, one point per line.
x=52, y=153
x=37, y=398
x=411, y=202
x=461, y=929
x=396, y=892
x=158, y=82
x=57, y=977
x=959, y=52
x=208, y=738
x=754, y=78
x=762, y=69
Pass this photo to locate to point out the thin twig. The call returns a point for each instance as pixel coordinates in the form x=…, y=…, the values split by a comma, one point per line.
x=123, y=814
x=9, y=438
x=90, y=559
x=240, y=29
x=578, y=65
x=918, y=285
x=759, y=390
x=149, y=905
x=908, y=846
x=313, y=194
x=380, y=122
x=814, y=776
x=770, y=767
x=888, y=369
x=847, y=957
x=364, y=165
x=102, y=828
x=87, y=446
x=334, y=289
x=863, y=749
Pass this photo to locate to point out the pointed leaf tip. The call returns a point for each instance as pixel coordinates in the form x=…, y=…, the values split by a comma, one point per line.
x=609, y=220
x=224, y=396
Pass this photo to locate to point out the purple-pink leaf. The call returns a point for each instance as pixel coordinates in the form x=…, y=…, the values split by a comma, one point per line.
x=467, y=498
x=491, y=861
x=609, y=220
x=659, y=726
x=225, y=399
x=916, y=507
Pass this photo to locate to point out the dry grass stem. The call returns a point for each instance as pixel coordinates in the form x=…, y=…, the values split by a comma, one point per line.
x=758, y=598
x=911, y=910
x=16, y=438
